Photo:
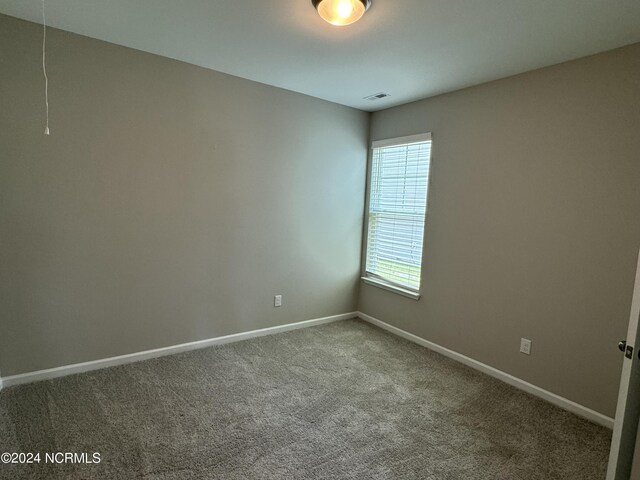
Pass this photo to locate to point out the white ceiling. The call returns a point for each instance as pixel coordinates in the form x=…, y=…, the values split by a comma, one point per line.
x=410, y=49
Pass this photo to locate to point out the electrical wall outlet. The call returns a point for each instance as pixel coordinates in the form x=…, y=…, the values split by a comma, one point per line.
x=277, y=301
x=525, y=346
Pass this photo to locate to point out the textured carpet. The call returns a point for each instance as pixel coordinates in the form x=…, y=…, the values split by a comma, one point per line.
x=344, y=400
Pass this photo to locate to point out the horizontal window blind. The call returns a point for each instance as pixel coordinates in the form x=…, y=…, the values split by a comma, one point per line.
x=397, y=210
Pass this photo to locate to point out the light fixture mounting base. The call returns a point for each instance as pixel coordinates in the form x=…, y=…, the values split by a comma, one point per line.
x=366, y=3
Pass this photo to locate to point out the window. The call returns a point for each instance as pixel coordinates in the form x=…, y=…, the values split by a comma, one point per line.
x=397, y=210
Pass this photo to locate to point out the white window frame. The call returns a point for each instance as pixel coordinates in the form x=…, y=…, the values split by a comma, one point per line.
x=371, y=278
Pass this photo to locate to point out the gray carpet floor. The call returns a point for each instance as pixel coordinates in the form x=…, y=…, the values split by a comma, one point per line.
x=339, y=401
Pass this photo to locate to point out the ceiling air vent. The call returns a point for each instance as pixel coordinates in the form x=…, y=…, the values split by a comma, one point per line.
x=377, y=96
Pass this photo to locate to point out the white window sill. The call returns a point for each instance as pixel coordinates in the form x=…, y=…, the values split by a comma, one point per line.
x=392, y=288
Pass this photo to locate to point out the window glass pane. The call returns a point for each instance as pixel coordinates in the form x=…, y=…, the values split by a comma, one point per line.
x=397, y=210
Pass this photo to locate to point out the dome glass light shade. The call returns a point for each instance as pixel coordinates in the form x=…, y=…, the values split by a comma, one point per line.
x=341, y=12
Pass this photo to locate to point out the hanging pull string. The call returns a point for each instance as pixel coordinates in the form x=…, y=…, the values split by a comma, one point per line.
x=44, y=67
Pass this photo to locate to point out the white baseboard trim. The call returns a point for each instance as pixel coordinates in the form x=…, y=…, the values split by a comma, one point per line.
x=65, y=370
x=161, y=352
x=550, y=397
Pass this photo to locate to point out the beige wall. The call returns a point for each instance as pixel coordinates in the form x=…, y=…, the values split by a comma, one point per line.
x=533, y=226
x=169, y=204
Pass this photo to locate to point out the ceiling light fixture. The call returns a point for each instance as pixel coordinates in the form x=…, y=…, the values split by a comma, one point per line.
x=341, y=12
